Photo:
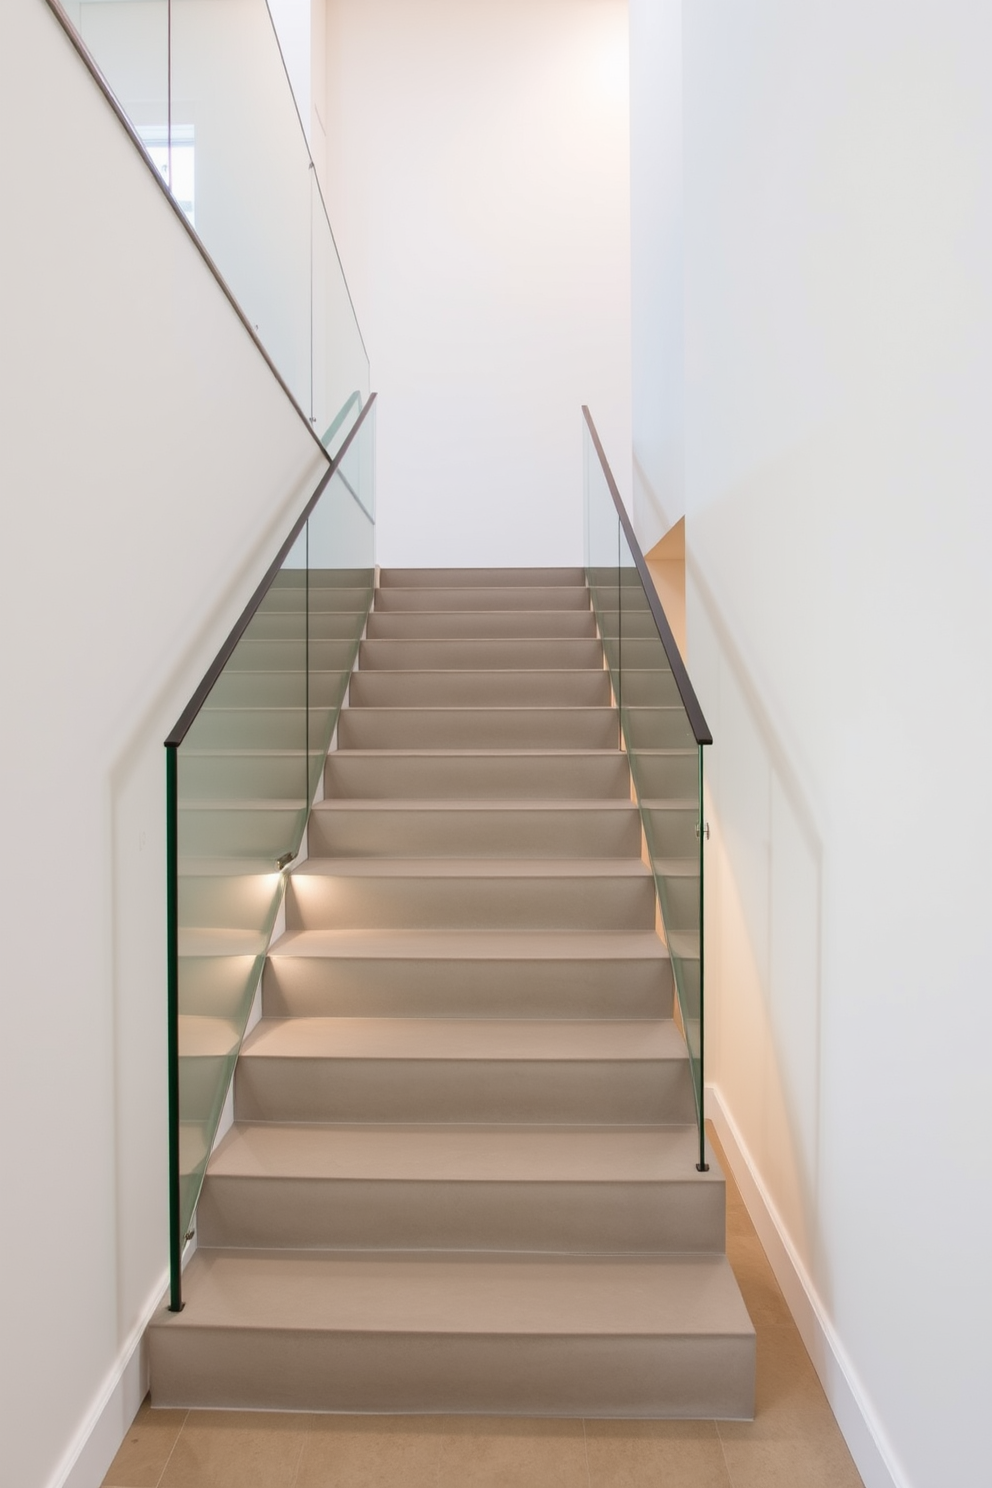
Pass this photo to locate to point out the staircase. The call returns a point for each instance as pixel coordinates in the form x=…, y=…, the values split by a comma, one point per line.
x=462, y=1174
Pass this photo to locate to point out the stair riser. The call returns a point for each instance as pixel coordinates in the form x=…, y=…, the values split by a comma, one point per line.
x=673, y=833
x=300, y=652
x=657, y=728
x=470, y=656
x=244, y=777
x=629, y=1092
x=634, y=624
x=664, y=777
x=280, y=689
x=280, y=625
x=439, y=625
x=314, y=902
x=314, y=987
x=573, y=1218
x=478, y=728
x=409, y=1373
x=240, y=833
x=538, y=833
x=448, y=778
x=481, y=578
x=318, y=602
x=553, y=597
x=638, y=653
x=254, y=727
x=575, y=688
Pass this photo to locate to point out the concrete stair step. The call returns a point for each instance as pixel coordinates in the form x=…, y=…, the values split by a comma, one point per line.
x=516, y=829
x=580, y=1190
x=478, y=728
x=463, y=625
x=452, y=973
x=449, y=774
x=471, y=1070
x=553, y=654
x=576, y=687
x=503, y=1334
x=471, y=894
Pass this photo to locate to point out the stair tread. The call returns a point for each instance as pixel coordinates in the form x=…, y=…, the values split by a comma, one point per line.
x=462, y=868
x=472, y=945
x=461, y=1293
x=463, y=1154
x=486, y=1039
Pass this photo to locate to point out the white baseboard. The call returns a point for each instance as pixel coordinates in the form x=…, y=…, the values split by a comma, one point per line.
x=94, y=1447
x=873, y=1455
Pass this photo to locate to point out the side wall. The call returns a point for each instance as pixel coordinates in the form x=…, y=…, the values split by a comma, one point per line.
x=477, y=179
x=149, y=463
x=838, y=377
x=656, y=266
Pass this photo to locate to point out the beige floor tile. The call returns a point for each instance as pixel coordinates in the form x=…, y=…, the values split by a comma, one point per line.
x=371, y=1452
x=809, y=1463
x=493, y=1452
x=655, y=1454
x=143, y=1453
x=237, y=1449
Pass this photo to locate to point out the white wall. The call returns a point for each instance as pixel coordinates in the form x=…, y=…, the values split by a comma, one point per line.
x=838, y=328
x=148, y=464
x=477, y=180
x=656, y=267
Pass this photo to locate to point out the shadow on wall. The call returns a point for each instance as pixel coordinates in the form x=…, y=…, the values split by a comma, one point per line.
x=763, y=927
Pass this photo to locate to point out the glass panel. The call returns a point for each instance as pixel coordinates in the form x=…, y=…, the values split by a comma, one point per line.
x=205, y=85
x=340, y=364
x=666, y=762
x=341, y=562
x=246, y=775
x=602, y=551
x=229, y=93
x=129, y=40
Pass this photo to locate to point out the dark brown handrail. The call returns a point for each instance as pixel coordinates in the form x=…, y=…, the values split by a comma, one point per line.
x=219, y=662
x=687, y=693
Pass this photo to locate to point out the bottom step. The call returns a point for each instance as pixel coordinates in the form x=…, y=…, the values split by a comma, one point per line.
x=407, y=1333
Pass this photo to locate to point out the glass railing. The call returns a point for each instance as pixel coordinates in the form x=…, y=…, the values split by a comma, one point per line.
x=243, y=766
x=664, y=733
x=204, y=87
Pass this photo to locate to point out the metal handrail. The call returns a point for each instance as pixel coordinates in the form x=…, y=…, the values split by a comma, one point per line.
x=690, y=702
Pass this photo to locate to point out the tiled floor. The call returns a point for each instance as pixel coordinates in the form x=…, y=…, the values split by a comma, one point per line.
x=794, y=1442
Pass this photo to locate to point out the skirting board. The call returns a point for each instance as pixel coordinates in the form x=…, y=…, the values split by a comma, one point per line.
x=867, y=1443
x=94, y=1447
